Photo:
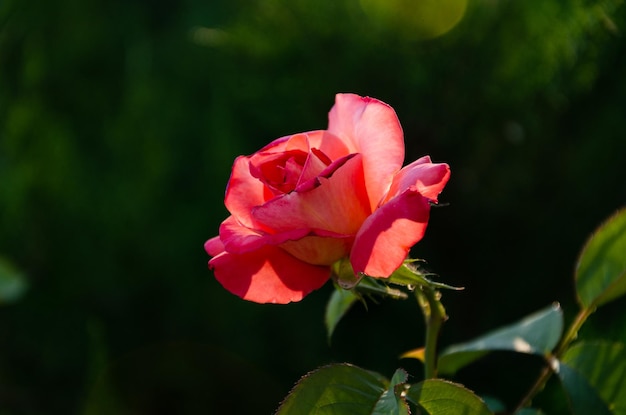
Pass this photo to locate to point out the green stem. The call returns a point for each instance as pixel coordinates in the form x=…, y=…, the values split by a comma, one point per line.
x=547, y=371
x=434, y=314
x=572, y=333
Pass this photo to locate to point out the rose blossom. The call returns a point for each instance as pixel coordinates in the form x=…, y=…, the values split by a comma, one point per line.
x=306, y=200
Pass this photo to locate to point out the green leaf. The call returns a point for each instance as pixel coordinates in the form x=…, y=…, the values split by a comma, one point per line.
x=399, y=377
x=599, y=367
x=338, y=305
x=493, y=404
x=583, y=399
x=536, y=334
x=12, y=282
x=441, y=397
x=391, y=401
x=343, y=389
x=601, y=269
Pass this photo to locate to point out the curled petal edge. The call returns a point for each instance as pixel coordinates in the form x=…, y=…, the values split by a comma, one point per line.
x=428, y=178
x=214, y=246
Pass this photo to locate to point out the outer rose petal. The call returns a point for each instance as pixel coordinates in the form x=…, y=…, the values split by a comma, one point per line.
x=386, y=237
x=268, y=275
x=369, y=127
x=244, y=192
x=238, y=239
x=214, y=246
x=429, y=179
x=312, y=246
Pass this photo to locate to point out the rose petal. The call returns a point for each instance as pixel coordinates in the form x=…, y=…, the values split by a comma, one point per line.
x=316, y=163
x=336, y=203
x=278, y=145
x=299, y=141
x=244, y=192
x=313, y=246
x=386, y=237
x=278, y=171
x=429, y=179
x=238, y=239
x=331, y=145
x=268, y=275
x=214, y=246
x=319, y=250
x=369, y=127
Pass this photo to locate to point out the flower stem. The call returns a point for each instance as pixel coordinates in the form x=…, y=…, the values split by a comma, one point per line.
x=572, y=333
x=548, y=370
x=434, y=314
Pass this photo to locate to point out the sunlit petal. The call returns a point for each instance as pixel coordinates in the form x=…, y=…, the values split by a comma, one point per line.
x=428, y=178
x=371, y=128
x=386, y=237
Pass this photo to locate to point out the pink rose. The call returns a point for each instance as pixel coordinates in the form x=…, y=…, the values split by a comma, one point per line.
x=307, y=200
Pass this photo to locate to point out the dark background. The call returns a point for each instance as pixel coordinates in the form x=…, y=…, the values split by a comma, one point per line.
x=119, y=122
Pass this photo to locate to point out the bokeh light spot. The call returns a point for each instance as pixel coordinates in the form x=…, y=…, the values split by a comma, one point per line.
x=417, y=19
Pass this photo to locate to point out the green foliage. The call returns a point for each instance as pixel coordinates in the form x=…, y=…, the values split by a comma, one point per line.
x=440, y=397
x=535, y=334
x=601, y=270
x=392, y=402
x=339, y=303
x=351, y=288
x=583, y=399
x=12, y=283
x=494, y=404
x=343, y=388
x=347, y=389
x=592, y=374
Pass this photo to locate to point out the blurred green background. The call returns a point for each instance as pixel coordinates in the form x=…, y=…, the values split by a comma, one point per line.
x=119, y=122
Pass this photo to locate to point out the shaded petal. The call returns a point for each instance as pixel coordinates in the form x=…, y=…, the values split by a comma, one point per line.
x=239, y=239
x=369, y=127
x=429, y=179
x=386, y=237
x=335, y=202
x=214, y=246
x=279, y=171
x=268, y=275
x=316, y=247
x=316, y=162
x=320, y=250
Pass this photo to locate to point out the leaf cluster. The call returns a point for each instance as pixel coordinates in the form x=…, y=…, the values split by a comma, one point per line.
x=590, y=372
